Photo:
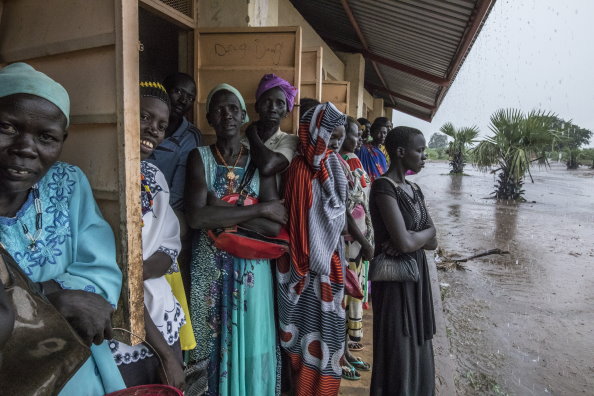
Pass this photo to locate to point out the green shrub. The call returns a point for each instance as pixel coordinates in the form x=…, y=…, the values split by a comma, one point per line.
x=436, y=154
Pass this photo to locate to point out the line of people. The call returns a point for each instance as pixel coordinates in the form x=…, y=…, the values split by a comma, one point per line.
x=217, y=322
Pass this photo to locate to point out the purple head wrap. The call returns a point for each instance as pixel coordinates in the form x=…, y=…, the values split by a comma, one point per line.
x=270, y=81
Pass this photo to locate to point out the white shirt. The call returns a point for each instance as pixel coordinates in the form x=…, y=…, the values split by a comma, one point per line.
x=160, y=233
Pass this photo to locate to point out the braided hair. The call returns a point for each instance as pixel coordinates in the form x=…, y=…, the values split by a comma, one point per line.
x=154, y=89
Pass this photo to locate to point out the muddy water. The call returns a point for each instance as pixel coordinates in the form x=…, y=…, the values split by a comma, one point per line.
x=523, y=323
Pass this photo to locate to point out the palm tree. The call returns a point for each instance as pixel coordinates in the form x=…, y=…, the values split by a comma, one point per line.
x=458, y=148
x=517, y=141
x=574, y=137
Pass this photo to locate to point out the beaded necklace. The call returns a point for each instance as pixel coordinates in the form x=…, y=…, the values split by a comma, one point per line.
x=38, y=220
x=231, y=176
x=147, y=203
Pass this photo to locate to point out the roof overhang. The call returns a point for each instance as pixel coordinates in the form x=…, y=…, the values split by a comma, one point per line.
x=413, y=49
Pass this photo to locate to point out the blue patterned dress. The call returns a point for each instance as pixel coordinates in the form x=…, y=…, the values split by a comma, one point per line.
x=77, y=250
x=232, y=308
x=373, y=160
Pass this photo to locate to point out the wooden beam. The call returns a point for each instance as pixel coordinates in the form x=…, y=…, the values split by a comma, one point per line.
x=347, y=9
x=128, y=125
x=169, y=13
x=388, y=62
x=349, y=12
x=413, y=113
x=373, y=87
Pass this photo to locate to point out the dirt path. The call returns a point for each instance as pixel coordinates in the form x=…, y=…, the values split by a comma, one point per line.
x=523, y=323
x=361, y=387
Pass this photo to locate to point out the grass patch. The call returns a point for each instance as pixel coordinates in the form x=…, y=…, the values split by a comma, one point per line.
x=481, y=382
x=444, y=291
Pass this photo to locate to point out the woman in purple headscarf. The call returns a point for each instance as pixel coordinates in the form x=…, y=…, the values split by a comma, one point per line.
x=272, y=149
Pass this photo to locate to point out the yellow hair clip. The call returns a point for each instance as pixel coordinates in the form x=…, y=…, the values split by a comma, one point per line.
x=152, y=84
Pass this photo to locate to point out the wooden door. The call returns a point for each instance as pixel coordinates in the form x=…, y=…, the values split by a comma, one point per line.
x=311, y=73
x=240, y=57
x=337, y=92
x=91, y=48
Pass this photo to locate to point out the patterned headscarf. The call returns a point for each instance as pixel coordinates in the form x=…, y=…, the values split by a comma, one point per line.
x=315, y=128
x=270, y=81
x=316, y=194
x=234, y=91
x=310, y=284
x=21, y=78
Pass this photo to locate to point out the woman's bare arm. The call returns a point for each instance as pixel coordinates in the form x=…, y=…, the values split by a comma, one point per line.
x=156, y=265
x=203, y=211
x=171, y=364
x=432, y=243
x=355, y=232
x=403, y=240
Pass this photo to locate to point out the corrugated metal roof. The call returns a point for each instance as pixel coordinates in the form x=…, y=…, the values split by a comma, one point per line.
x=418, y=46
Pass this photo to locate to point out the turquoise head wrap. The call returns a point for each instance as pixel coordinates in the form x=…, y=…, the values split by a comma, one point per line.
x=234, y=91
x=20, y=78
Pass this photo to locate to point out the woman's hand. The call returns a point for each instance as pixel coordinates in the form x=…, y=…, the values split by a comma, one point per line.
x=432, y=229
x=389, y=249
x=88, y=313
x=251, y=130
x=172, y=372
x=156, y=266
x=367, y=251
x=275, y=210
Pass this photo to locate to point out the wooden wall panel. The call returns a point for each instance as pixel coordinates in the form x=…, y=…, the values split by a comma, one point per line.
x=309, y=90
x=101, y=163
x=309, y=65
x=311, y=73
x=246, y=47
x=336, y=92
x=240, y=57
x=33, y=28
x=89, y=78
x=247, y=85
x=91, y=48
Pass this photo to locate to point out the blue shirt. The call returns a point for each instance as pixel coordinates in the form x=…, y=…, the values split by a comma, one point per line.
x=171, y=156
x=77, y=250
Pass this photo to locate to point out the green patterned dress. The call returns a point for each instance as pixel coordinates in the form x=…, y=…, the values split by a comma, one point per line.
x=232, y=308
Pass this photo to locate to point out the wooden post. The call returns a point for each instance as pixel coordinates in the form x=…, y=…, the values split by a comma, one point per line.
x=311, y=73
x=128, y=132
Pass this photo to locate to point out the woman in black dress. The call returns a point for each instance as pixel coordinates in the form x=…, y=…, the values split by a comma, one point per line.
x=403, y=321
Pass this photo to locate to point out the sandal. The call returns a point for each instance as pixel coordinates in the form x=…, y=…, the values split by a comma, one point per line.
x=355, y=346
x=360, y=365
x=349, y=373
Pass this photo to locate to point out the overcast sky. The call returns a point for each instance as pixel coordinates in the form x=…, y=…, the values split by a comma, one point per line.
x=530, y=54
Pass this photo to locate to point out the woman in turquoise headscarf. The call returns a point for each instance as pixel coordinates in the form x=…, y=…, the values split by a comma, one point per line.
x=232, y=299
x=50, y=223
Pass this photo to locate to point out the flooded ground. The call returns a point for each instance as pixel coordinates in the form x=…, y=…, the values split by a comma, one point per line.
x=522, y=323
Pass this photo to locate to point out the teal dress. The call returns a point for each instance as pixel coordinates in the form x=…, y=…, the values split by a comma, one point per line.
x=77, y=250
x=232, y=308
